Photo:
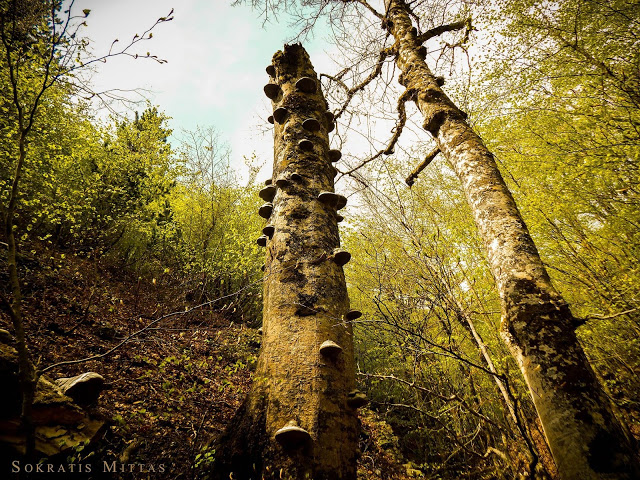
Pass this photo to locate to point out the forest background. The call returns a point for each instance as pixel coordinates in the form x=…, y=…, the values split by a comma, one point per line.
x=553, y=89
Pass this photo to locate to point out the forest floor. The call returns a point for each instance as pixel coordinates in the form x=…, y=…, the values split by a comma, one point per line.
x=172, y=389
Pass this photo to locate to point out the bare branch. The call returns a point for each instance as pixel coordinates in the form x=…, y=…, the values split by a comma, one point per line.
x=410, y=180
x=439, y=30
x=384, y=54
x=397, y=131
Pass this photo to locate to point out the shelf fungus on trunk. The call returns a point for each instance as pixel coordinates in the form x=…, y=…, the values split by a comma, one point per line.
x=335, y=155
x=305, y=310
x=352, y=315
x=272, y=90
x=280, y=114
x=265, y=210
x=283, y=183
x=270, y=119
x=311, y=125
x=329, y=348
x=269, y=230
x=305, y=145
x=332, y=199
x=340, y=257
x=357, y=399
x=291, y=435
x=267, y=193
x=307, y=85
x=262, y=240
x=271, y=70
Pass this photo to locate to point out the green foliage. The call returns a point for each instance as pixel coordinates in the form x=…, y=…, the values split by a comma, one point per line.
x=217, y=223
x=560, y=108
x=417, y=272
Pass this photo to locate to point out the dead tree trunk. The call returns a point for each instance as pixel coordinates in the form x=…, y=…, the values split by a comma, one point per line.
x=299, y=421
x=586, y=439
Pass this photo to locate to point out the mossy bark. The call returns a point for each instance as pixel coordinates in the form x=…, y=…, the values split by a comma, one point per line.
x=586, y=438
x=305, y=298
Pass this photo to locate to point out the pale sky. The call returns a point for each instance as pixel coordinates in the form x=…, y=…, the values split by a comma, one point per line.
x=216, y=56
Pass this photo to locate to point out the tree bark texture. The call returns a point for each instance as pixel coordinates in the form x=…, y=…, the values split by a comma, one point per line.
x=305, y=301
x=586, y=438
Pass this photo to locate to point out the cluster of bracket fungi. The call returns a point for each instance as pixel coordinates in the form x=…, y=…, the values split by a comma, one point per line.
x=291, y=434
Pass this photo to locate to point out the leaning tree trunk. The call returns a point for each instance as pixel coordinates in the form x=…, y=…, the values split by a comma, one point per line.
x=299, y=421
x=586, y=438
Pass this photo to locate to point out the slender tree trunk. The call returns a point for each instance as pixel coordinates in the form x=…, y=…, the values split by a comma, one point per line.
x=586, y=439
x=297, y=388
x=26, y=370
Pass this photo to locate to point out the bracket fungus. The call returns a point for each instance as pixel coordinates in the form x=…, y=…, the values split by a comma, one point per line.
x=265, y=210
x=305, y=145
x=332, y=199
x=329, y=348
x=296, y=177
x=282, y=183
x=291, y=435
x=268, y=181
x=311, y=125
x=267, y=193
x=341, y=257
x=271, y=70
x=331, y=124
x=269, y=230
x=262, y=240
x=305, y=311
x=272, y=90
x=335, y=155
x=270, y=119
x=339, y=218
x=280, y=114
x=356, y=399
x=352, y=315
x=329, y=116
x=307, y=85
